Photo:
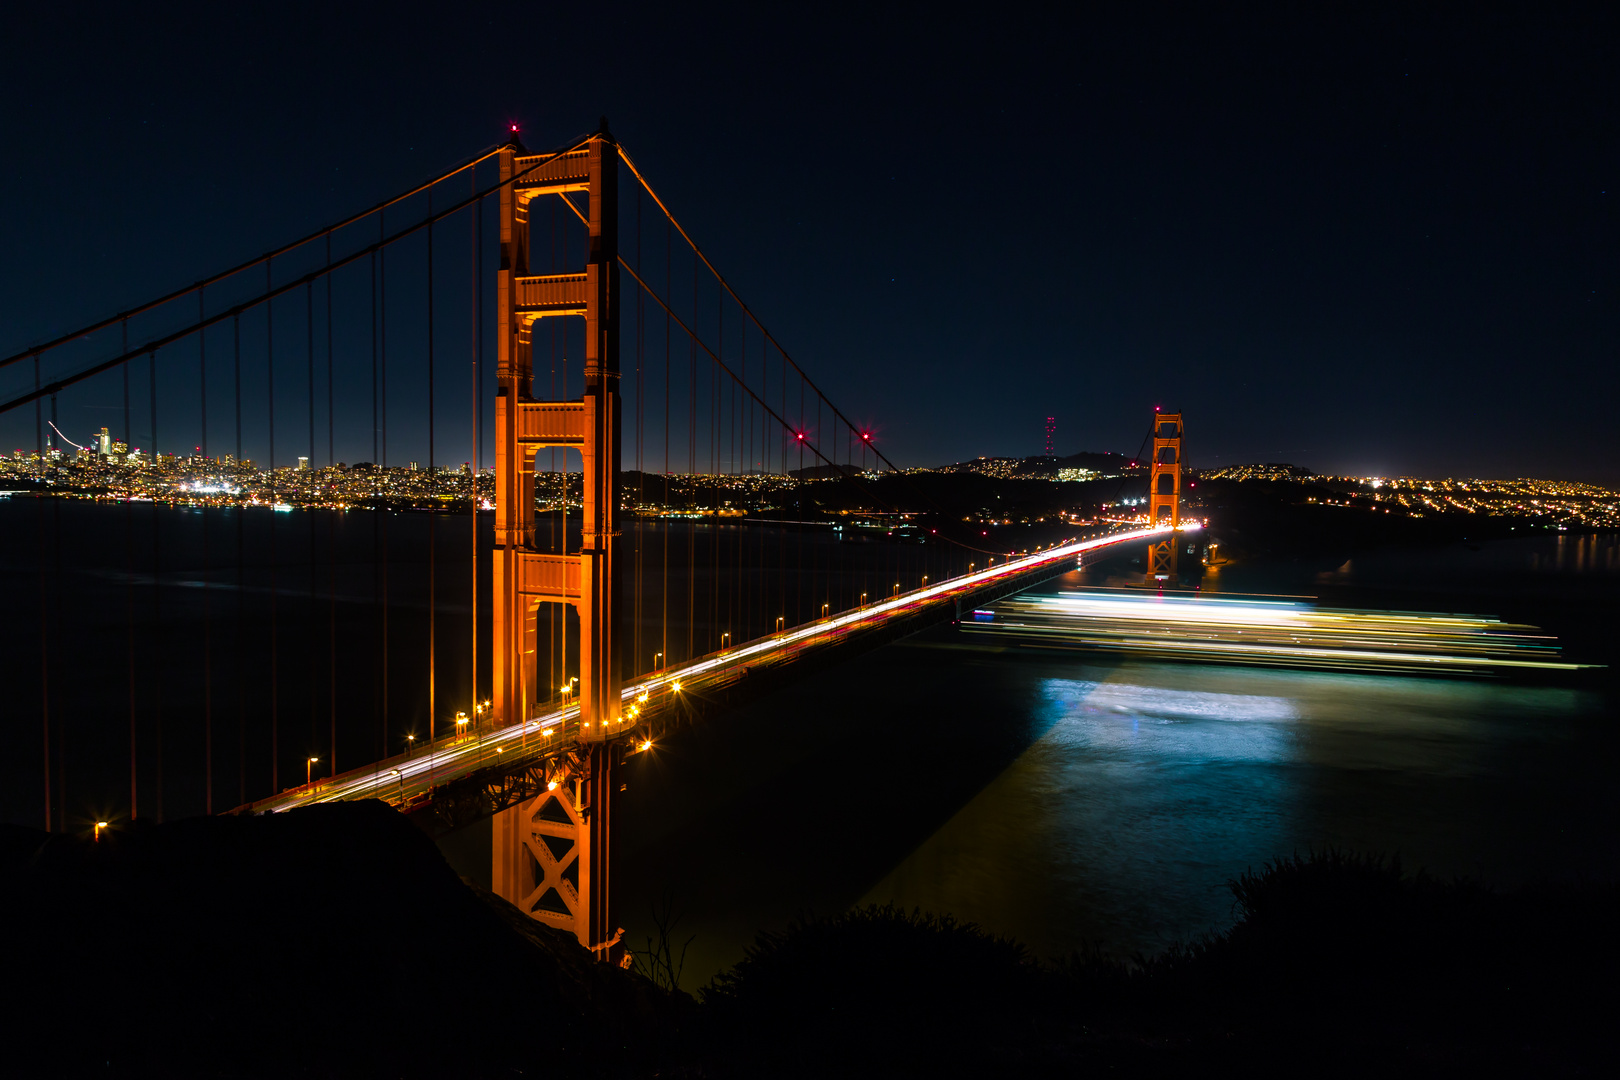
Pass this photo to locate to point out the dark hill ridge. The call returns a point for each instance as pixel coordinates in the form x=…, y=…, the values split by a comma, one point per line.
x=333, y=940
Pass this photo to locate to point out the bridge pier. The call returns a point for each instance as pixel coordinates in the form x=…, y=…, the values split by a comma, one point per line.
x=552, y=855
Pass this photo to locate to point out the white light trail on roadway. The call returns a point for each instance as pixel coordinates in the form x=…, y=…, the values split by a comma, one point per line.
x=471, y=749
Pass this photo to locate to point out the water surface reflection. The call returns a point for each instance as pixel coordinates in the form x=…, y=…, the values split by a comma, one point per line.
x=1151, y=787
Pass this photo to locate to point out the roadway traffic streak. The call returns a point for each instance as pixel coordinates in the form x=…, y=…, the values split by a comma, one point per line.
x=408, y=779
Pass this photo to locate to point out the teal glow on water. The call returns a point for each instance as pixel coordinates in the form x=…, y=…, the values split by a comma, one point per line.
x=1066, y=800
x=1147, y=791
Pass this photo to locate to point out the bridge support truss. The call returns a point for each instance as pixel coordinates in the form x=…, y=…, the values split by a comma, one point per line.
x=551, y=854
x=1164, y=496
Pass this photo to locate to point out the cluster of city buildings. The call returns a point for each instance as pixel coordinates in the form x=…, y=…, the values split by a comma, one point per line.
x=109, y=469
x=1032, y=468
x=1269, y=471
x=1553, y=503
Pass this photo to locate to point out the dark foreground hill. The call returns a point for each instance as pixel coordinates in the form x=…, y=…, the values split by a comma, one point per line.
x=330, y=941
x=335, y=941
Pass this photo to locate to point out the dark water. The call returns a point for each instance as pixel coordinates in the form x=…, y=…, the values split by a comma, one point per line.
x=1076, y=800
x=1067, y=801
x=246, y=641
x=1060, y=799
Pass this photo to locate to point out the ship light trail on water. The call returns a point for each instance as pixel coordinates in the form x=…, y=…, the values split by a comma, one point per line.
x=1275, y=632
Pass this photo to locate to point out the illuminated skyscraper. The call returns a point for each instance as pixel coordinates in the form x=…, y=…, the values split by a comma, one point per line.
x=303, y=464
x=106, y=443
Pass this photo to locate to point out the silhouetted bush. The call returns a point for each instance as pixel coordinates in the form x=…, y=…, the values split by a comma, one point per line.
x=876, y=989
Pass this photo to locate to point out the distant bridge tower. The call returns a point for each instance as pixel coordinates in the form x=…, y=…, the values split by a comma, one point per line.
x=550, y=855
x=1164, y=496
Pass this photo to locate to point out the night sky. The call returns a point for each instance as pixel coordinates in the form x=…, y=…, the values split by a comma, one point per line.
x=1359, y=240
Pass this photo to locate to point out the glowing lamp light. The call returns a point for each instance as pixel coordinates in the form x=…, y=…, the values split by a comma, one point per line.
x=551, y=785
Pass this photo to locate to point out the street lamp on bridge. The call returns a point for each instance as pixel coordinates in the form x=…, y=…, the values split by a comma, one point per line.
x=309, y=767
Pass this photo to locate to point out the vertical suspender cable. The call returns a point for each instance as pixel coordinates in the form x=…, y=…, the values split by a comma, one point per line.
x=241, y=619
x=377, y=510
x=663, y=591
x=691, y=531
x=308, y=479
x=270, y=406
x=331, y=533
x=433, y=517
x=51, y=630
x=208, y=630
x=641, y=344
x=477, y=224
x=556, y=614
x=129, y=586
x=382, y=458
x=44, y=610
x=157, y=589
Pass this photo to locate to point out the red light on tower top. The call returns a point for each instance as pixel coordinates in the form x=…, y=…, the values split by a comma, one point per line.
x=867, y=435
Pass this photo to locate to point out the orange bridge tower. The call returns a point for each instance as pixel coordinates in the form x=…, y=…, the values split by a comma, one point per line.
x=550, y=854
x=1164, y=497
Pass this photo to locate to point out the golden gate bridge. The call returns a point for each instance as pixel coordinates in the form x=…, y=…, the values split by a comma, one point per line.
x=541, y=752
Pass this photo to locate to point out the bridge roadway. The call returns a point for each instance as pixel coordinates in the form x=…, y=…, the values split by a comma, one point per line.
x=409, y=780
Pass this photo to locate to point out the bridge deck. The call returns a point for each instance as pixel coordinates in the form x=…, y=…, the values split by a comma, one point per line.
x=409, y=780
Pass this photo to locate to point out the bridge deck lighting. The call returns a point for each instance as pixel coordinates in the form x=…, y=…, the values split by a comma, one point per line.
x=551, y=785
x=99, y=826
x=677, y=688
